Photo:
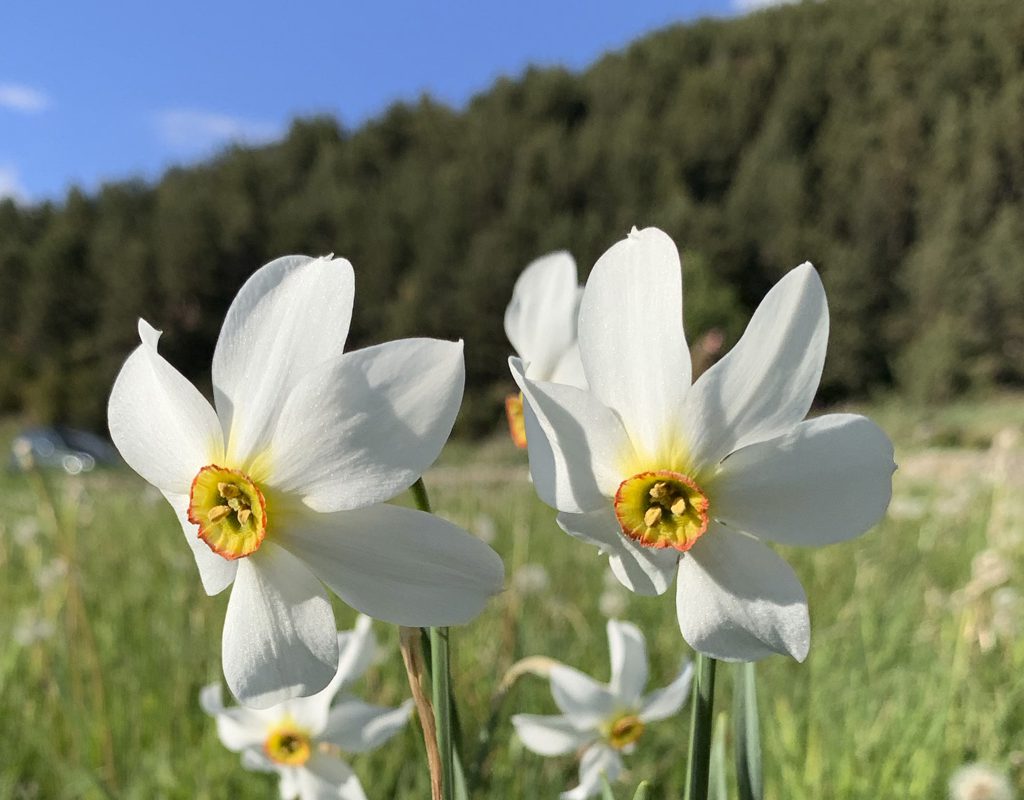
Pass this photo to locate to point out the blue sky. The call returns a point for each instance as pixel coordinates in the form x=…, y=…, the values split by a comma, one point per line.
x=107, y=90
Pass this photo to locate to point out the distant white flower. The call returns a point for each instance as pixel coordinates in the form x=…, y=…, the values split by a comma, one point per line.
x=302, y=739
x=26, y=530
x=531, y=579
x=979, y=782
x=666, y=477
x=31, y=628
x=604, y=720
x=540, y=323
x=51, y=573
x=485, y=528
x=613, y=602
x=284, y=485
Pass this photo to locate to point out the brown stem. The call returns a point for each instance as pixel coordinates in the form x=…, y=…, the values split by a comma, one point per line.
x=412, y=657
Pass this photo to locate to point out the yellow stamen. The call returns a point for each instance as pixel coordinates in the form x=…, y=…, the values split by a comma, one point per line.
x=662, y=509
x=288, y=744
x=625, y=730
x=228, y=490
x=217, y=513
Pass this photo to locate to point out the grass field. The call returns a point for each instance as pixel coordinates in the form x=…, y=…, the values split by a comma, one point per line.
x=915, y=664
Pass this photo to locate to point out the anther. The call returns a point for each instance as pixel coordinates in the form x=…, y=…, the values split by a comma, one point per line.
x=653, y=516
x=659, y=491
x=217, y=513
x=243, y=516
x=228, y=490
x=679, y=506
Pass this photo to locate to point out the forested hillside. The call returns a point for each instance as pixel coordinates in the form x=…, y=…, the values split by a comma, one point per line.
x=884, y=141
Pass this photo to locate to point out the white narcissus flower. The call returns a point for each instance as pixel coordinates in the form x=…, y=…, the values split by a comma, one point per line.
x=283, y=486
x=302, y=739
x=670, y=478
x=540, y=323
x=602, y=720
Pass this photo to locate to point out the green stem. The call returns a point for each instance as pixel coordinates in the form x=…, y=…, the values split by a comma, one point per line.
x=440, y=680
x=747, y=733
x=701, y=729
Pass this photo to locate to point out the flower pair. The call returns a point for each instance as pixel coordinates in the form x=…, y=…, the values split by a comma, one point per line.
x=281, y=488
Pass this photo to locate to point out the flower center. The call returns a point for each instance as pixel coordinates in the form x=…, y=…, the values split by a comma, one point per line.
x=624, y=731
x=286, y=744
x=662, y=509
x=516, y=420
x=229, y=509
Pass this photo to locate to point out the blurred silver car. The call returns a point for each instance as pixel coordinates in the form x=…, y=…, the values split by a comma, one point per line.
x=71, y=450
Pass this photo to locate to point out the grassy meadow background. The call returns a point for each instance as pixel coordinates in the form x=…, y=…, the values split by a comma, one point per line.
x=916, y=649
x=883, y=141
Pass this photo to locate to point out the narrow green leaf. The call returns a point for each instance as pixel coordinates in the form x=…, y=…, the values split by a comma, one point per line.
x=643, y=791
x=606, y=789
x=747, y=733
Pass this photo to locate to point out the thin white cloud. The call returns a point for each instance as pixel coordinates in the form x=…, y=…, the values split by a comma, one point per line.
x=24, y=99
x=11, y=185
x=190, y=130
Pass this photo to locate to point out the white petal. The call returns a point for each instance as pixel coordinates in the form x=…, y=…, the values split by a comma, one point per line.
x=211, y=698
x=631, y=336
x=215, y=572
x=828, y=480
x=364, y=427
x=766, y=383
x=583, y=700
x=575, y=444
x=279, y=639
x=254, y=759
x=549, y=735
x=540, y=320
x=289, y=786
x=237, y=728
x=738, y=601
x=357, y=727
x=290, y=316
x=163, y=427
x=398, y=565
x=569, y=369
x=327, y=777
x=663, y=703
x=644, y=570
x=629, y=661
x=357, y=649
x=598, y=760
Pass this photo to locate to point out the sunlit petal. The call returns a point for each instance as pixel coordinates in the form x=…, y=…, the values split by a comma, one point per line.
x=828, y=480
x=364, y=427
x=575, y=444
x=290, y=316
x=631, y=336
x=397, y=564
x=765, y=385
x=738, y=601
x=279, y=639
x=162, y=426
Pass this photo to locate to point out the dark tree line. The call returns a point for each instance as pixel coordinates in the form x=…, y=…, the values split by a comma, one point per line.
x=882, y=141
